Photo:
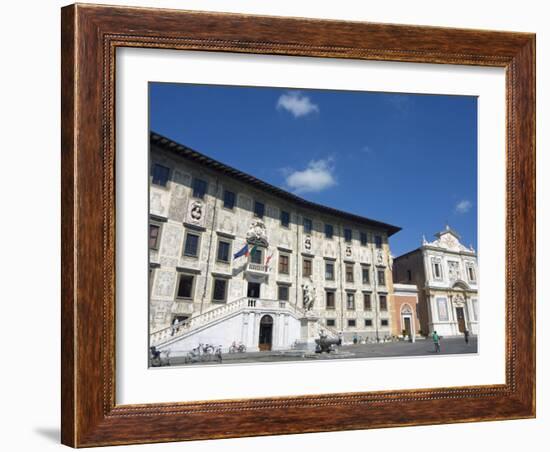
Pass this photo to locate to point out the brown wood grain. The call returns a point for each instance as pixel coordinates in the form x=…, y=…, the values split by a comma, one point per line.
x=90, y=36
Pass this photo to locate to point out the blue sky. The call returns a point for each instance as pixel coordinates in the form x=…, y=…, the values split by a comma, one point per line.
x=405, y=159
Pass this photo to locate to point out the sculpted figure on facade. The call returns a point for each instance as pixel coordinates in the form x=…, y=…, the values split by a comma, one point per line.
x=195, y=212
x=309, y=297
x=307, y=243
x=348, y=251
x=257, y=233
x=454, y=271
x=458, y=301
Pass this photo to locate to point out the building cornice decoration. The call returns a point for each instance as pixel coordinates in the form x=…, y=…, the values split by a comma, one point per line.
x=227, y=235
x=158, y=218
x=447, y=240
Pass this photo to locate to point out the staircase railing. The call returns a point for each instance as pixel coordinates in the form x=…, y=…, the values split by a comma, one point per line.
x=185, y=326
x=180, y=328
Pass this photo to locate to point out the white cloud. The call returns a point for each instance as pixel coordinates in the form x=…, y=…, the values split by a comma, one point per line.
x=463, y=206
x=297, y=104
x=317, y=176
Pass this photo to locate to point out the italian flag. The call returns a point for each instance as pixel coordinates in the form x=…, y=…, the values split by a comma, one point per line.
x=250, y=251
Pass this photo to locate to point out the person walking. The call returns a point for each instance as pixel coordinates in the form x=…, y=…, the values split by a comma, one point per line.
x=466, y=335
x=435, y=338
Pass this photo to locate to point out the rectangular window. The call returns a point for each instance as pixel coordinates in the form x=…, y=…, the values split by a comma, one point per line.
x=367, y=304
x=331, y=304
x=384, y=322
x=363, y=238
x=436, y=269
x=365, y=275
x=199, y=188
x=160, y=175
x=329, y=231
x=259, y=209
x=285, y=219
x=471, y=274
x=283, y=293
x=284, y=264
x=378, y=241
x=256, y=256
x=191, y=247
x=350, y=301
x=307, y=267
x=185, y=286
x=329, y=271
x=220, y=289
x=409, y=275
x=442, y=311
x=154, y=236
x=349, y=273
x=253, y=290
x=331, y=322
x=223, y=251
x=308, y=226
x=381, y=277
x=352, y=323
x=368, y=322
x=383, y=302
x=347, y=235
x=228, y=199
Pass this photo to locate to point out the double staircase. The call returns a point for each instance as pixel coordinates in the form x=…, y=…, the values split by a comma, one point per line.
x=190, y=326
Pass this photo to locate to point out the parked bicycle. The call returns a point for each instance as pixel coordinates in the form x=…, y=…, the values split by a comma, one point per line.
x=237, y=347
x=204, y=353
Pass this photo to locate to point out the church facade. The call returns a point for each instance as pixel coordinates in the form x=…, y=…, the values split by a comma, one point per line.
x=235, y=259
x=446, y=275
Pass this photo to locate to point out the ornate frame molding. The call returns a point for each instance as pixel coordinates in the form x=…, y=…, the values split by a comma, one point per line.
x=90, y=36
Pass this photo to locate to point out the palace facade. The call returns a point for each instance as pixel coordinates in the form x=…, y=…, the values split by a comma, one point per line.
x=235, y=259
x=446, y=274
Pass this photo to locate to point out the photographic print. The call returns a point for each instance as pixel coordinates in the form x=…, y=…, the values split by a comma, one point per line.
x=304, y=224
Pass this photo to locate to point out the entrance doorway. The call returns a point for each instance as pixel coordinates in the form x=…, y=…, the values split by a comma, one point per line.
x=266, y=333
x=407, y=326
x=460, y=319
x=253, y=290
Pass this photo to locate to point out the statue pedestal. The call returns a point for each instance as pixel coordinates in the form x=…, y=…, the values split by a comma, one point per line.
x=308, y=333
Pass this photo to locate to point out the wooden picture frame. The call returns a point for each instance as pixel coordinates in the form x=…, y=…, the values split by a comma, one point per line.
x=90, y=36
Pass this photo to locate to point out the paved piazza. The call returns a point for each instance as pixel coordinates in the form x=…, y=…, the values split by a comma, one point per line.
x=449, y=346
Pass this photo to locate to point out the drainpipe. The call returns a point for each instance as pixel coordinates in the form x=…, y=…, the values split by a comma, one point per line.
x=375, y=287
x=342, y=288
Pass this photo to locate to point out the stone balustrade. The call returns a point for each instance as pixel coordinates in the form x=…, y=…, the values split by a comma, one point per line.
x=242, y=304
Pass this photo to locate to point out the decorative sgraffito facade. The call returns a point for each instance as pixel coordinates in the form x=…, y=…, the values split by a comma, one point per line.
x=309, y=267
x=446, y=274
